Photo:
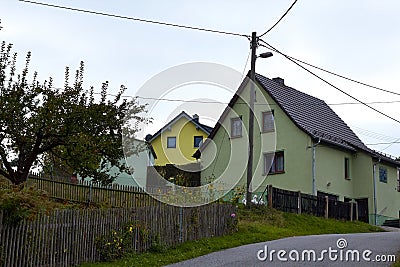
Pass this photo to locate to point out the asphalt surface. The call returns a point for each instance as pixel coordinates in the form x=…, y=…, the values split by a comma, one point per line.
x=330, y=250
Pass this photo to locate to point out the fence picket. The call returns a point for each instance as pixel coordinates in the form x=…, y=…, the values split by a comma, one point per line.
x=297, y=202
x=67, y=237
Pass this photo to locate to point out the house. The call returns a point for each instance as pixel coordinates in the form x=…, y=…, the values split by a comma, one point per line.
x=138, y=162
x=300, y=144
x=176, y=142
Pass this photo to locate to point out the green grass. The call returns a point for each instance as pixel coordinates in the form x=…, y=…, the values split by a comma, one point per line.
x=256, y=225
x=397, y=263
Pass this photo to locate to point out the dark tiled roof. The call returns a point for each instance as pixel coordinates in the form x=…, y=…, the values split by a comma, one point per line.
x=312, y=115
x=315, y=117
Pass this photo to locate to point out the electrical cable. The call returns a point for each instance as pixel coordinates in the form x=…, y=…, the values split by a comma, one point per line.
x=344, y=77
x=325, y=81
x=135, y=19
x=384, y=143
x=226, y=103
x=273, y=26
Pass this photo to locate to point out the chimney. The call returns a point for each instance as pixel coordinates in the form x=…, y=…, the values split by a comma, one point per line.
x=148, y=137
x=279, y=80
x=196, y=117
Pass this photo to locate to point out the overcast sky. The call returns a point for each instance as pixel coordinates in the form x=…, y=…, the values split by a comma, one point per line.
x=359, y=39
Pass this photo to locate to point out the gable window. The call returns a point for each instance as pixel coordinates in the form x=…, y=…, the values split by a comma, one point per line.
x=171, y=142
x=236, y=127
x=346, y=168
x=274, y=163
x=197, y=140
x=268, y=121
x=382, y=174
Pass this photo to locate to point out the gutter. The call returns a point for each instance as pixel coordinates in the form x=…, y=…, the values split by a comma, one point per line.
x=374, y=192
x=314, y=185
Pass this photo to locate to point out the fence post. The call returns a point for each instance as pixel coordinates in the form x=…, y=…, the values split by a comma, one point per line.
x=356, y=210
x=299, y=202
x=326, y=207
x=270, y=189
x=351, y=211
x=180, y=224
x=90, y=192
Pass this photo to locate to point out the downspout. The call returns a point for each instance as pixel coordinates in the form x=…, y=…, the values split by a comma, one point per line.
x=314, y=184
x=374, y=193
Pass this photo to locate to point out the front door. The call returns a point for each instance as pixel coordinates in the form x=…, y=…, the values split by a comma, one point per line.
x=362, y=204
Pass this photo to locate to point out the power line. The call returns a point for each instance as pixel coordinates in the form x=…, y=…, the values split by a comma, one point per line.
x=279, y=20
x=384, y=143
x=346, y=78
x=136, y=19
x=245, y=66
x=226, y=103
x=262, y=104
x=342, y=76
x=395, y=142
x=374, y=135
x=325, y=81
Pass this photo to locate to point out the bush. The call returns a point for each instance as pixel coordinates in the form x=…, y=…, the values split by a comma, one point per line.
x=119, y=243
x=18, y=203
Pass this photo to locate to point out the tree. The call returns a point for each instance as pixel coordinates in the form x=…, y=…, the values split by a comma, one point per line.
x=39, y=121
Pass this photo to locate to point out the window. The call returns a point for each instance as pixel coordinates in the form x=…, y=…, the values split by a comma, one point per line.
x=236, y=127
x=274, y=163
x=268, y=121
x=398, y=180
x=346, y=168
x=197, y=141
x=171, y=142
x=382, y=175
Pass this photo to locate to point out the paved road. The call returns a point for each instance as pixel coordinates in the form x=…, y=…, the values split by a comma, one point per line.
x=327, y=247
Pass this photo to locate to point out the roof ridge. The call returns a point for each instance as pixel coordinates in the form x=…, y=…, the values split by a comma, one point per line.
x=207, y=129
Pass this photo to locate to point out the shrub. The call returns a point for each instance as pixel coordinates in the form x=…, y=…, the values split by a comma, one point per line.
x=119, y=243
x=18, y=203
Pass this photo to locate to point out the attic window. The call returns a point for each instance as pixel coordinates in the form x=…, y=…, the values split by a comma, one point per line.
x=236, y=127
x=268, y=121
x=197, y=140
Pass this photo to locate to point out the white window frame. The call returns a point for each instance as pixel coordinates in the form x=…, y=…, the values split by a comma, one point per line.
x=271, y=168
x=270, y=127
x=398, y=179
x=194, y=143
x=233, y=132
x=171, y=138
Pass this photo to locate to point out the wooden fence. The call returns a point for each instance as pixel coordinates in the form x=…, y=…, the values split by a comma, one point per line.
x=297, y=202
x=67, y=237
x=87, y=192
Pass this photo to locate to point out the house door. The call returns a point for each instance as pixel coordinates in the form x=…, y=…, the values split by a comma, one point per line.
x=362, y=204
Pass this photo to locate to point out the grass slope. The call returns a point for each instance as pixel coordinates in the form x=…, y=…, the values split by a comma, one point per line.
x=256, y=225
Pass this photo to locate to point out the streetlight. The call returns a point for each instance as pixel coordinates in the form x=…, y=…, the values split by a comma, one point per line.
x=265, y=55
x=251, y=112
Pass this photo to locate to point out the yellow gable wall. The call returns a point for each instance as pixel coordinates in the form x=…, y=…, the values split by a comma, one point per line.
x=184, y=131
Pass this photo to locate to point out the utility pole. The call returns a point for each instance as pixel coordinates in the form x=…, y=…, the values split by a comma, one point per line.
x=251, y=116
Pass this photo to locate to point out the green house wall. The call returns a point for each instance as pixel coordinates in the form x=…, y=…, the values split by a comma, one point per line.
x=297, y=148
